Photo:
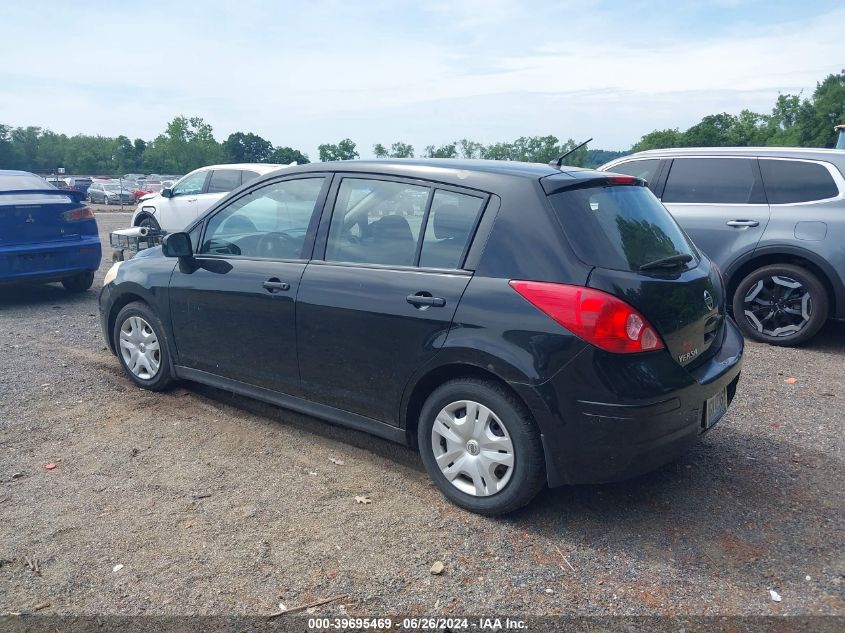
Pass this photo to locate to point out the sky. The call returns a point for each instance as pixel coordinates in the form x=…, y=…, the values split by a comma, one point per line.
x=426, y=73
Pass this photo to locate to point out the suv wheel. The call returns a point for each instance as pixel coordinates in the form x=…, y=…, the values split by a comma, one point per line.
x=481, y=447
x=79, y=283
x=142, y=348
x=780, y=304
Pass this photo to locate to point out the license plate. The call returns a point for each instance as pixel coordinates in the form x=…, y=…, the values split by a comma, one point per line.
x=715, y=408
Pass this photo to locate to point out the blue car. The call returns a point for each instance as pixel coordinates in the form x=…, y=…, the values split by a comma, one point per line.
x=46, y=234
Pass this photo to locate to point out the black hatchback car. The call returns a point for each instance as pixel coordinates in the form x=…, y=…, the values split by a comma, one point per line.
x=520, y=324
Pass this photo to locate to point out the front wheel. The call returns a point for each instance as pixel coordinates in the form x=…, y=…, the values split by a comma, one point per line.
x=781, y=304
x=141, y=346
x=79, y=283
x=481, y=447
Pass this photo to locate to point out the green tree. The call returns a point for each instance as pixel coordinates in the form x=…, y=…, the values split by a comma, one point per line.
x=816, y=120
x=401, y=150
x=470, y=149
x=187, y=143
x=450, y=150
x=288, y=155
x=247, y=148
x=659, y=139
x=344, y=150
x=380, y=151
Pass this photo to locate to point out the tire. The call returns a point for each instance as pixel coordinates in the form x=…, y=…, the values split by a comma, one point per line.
x=138, y=322
x=517, y=483
x=79, y=283
x=770, y=308
x=150, y=222
x=106, y=200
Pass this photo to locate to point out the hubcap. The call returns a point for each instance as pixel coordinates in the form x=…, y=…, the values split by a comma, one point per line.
x=472, y=448
x=139, y=348
x=778, y=306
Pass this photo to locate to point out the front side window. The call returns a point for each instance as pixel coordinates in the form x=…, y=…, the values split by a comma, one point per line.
x=713, y=181
x=191, y=185
x=451, y=222
x=791, y=181
x=247, y=175
x=270, y=222
x=376, y=222
x=224, y=180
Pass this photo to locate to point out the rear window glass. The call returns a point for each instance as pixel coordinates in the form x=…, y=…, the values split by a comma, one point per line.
x=11, y=182
x=790, y=181
x=224, y=180
x=713, y=181
x=620, y=228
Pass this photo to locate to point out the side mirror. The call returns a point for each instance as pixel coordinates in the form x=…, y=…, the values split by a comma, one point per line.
x=167, y=192
x=177, y=245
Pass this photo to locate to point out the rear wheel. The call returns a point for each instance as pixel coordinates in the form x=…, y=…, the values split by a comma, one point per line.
x=142, y=347
x=79, y=283
x=781, y=304
x=481, y=447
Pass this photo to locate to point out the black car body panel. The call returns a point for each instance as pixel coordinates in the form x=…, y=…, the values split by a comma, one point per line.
x=347, y=342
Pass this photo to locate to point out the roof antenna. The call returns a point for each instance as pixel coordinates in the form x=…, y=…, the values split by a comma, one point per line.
x=559, y=162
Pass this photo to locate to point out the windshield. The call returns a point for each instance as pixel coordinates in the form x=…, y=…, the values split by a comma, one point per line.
x=620, y=227
x=12, y=182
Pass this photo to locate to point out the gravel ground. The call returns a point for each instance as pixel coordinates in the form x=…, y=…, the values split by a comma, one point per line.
x=216, y=504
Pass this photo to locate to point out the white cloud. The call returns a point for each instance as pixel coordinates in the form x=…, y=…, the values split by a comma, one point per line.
x=301, y=75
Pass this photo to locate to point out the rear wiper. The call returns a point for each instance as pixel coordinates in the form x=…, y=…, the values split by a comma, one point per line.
x=667, y=262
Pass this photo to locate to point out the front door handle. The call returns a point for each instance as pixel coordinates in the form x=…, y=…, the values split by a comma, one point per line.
x=424, y=300
x=275, y=285
x=743, y=223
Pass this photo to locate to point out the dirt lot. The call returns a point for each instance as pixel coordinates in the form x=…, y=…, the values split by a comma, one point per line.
x=217, y=504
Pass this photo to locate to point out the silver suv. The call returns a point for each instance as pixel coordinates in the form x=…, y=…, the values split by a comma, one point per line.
x=773, y=219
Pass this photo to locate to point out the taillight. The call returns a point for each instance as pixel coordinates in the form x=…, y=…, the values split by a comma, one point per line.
x=595, y=316
x=78, y=214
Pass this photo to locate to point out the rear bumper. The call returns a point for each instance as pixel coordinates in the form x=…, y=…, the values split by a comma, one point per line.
x=49, y=261
x=607, y=417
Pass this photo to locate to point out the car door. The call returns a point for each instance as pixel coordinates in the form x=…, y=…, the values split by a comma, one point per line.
x=720, y=203
x=178, y=211
x=378, y=301
x=232, y=305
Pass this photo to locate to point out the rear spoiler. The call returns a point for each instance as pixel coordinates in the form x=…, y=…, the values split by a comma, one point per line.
x=76, y=196
x=555, y=183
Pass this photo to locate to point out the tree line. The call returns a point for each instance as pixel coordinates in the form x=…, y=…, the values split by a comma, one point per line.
x=188, y=142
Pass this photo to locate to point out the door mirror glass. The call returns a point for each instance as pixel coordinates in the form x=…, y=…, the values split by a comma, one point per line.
x=176, y=245
x=167, y=192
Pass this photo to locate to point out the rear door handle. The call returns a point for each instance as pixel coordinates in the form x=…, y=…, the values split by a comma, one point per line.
x=275, y=285
x=743, y=223
x=423, y=300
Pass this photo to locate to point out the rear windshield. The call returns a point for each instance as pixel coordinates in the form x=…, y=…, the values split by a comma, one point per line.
x=619, y=227
x=11, y=182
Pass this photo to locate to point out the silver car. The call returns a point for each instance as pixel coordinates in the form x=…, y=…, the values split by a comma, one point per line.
x=773, y=219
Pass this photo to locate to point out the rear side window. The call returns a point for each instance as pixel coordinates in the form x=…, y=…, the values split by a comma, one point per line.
x=791, y=181
x=450, y=226
x=224, y=180
x=11, y=182
x=619, y=227
x=643, y=169
x=713, y=181
x=247, y=175
x=376, y=222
